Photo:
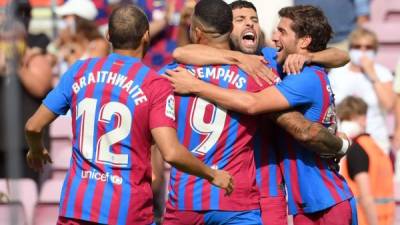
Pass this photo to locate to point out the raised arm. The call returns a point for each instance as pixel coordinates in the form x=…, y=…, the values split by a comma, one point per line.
x=196, y=54
x=329, y=58
x=313, y=135
x=235, y=100
x=179, y=157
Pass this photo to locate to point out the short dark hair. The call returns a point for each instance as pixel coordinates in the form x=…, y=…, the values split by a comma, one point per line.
x=126, y=27
x=238, y=4
x=309, y=21
x=350, y=107
x=215, y=14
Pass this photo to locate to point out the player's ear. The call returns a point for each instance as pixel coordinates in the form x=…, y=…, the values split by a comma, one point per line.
x=305, y=41
x=146, y=37
x=198, y=34
x=108, y=36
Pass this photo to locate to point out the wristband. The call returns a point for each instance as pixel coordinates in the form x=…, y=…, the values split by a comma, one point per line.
x=345, y=146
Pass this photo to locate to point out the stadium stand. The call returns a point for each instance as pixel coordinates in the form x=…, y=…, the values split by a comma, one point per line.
x=61, y=128
x=46, y=210
x=385, y=19
x=12, y=213
x=22, y=194
x=60, y=154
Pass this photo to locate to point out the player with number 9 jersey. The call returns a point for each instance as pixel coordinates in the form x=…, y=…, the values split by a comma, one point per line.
x=221, y=139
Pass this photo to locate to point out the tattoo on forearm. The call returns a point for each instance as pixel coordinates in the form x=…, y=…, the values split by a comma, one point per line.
x=313, y=135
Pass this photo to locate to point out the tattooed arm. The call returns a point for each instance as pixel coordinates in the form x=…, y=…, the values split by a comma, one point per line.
x=313, y=135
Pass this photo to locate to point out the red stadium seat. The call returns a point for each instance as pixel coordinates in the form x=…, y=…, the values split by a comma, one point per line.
x=46, y=211
x=12, y=213
x=46, y=214
x=61, y=155
x=61, y=127
x=21, y=190
x=51, y=191
x=385, y=10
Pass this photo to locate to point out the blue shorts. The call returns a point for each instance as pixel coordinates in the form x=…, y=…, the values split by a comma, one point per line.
x=214, y=217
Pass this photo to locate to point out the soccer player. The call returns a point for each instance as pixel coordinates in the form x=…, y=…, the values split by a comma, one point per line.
x=221, y=139
x=317, y=194
x=118, y=106
x=246, y=37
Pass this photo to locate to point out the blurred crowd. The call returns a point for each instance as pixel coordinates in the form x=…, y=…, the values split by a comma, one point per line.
x=367, y=93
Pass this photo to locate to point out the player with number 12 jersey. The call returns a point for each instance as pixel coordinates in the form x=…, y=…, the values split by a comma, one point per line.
x=118, y=100
x=221, y=139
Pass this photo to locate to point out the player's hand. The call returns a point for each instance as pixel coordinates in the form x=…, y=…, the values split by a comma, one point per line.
x=294, y=63
x=256, y=67
x=37, y=159
x=181, y=80
x=224, y=180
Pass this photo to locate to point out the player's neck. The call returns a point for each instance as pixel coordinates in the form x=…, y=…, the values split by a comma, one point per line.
x=219, y=45
x=137, y=53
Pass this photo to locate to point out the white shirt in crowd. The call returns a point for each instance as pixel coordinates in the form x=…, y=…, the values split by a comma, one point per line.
x=348, y=83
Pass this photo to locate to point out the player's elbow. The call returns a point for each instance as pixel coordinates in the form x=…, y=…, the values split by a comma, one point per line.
x=171, y=157
x=177, y=53
x=251, y=106
x=31, y=127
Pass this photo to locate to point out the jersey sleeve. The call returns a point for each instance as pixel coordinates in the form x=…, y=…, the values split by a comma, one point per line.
x=162, y=111
x=59, y=99
x=299, y=89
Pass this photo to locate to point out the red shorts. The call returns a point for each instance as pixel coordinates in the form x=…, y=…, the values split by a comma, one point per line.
x=274, y=210
x=71, y=221
x=339, y=214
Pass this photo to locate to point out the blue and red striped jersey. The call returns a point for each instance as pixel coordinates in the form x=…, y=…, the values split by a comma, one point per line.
x=221, y=139
x=312, y=183
x=115, y=102
x=268, y=174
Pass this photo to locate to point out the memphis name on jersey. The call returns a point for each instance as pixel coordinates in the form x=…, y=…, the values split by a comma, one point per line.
x=221, y=139
x=227, y=75
x=116, y=79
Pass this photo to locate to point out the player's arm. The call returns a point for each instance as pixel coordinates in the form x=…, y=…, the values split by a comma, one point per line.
x=235, y=100
x=38, y=155
x=329, y=58
x=179, y=157
x=196, y=54
x=313, y=135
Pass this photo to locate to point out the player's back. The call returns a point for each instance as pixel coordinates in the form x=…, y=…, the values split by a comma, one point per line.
x=111, y=101
x=221, y=139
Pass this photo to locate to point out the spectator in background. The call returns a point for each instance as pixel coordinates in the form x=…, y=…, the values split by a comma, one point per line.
x=343, y=16
x=80, y=37
x=34, y=70
x=164, y=38
x=365, y=78
x=366, y=168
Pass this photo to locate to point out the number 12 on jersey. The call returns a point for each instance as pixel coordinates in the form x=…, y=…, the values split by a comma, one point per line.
x=100, y=152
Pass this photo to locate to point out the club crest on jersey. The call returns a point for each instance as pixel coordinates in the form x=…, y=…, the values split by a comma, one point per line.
x=170, y=107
